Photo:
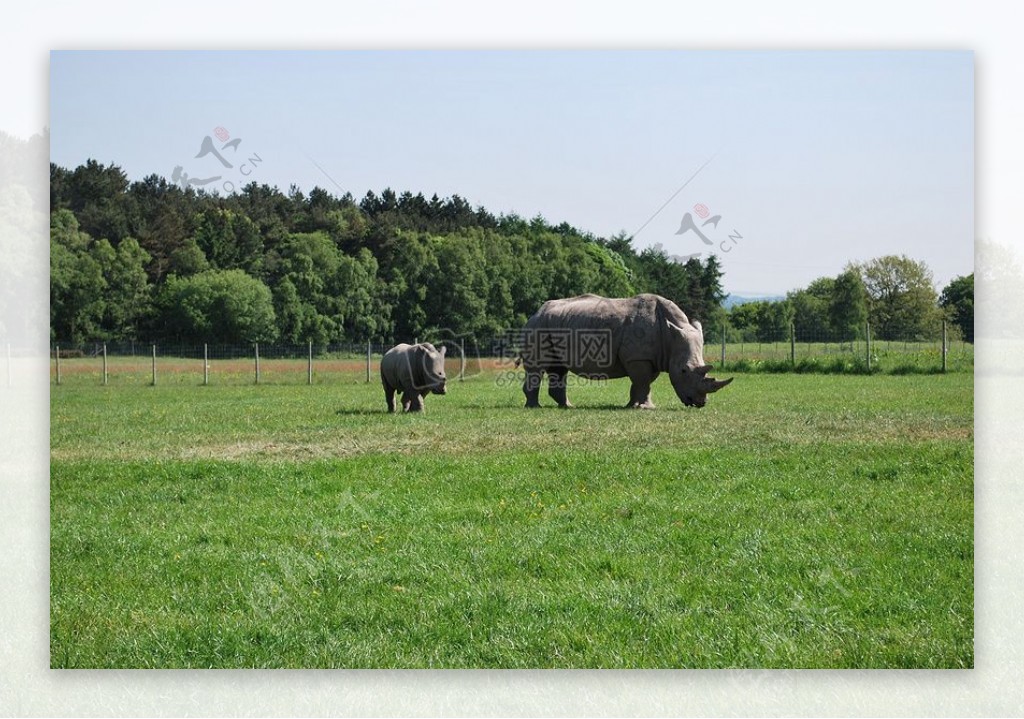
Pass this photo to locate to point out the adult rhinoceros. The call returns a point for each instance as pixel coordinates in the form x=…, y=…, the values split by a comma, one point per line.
x=601, y=338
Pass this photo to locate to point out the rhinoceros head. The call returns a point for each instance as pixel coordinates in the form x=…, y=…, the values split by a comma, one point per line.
x=687, y=370
x=432, y=365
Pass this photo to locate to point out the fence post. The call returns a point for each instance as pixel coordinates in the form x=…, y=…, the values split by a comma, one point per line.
x=462, y=359
x=944, y=346
x=723, y=344
x=257, y=362
x=369, y=359
x=206, y=364
x=154, y=365
x=104, y=363
x=867, y=344
x=309, y=365
x=792, y=343
x=57, y=347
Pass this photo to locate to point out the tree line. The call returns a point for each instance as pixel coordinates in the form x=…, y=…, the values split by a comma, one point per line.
x=894, y=294
x=152, y=260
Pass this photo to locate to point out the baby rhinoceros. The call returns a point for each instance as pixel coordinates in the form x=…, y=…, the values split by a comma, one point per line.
x=415, y=371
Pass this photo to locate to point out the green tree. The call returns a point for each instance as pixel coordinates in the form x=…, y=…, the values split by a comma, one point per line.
x=810, y=316
x=525, y=274
x=743, y=319
x=324, y=295
x=502, y=266
x=663, y=276
x=901, y=298
x=347, y=227
x=127, y=297
x=230, y=240
x=811, y=310
x=771, y=320
x=97, y=194
x=217, y=306
x=309, y=263
x=187, y=259
x=696, y=287
x=408, y=262
x=164, y=220
x=847, y=309
x=610, y=276
x=957, y=300
x=458, y=288
x=76, y=282
x=356, y=283
x=290, y=313
x=706, y=303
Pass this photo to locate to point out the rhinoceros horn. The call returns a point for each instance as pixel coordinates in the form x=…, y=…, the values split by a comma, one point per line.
x=713, y=385
x=704, y=369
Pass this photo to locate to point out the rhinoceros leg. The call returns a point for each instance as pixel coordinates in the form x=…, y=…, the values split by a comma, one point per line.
x=641, y=374
x=411, y=401
x=531, y=388
x=556, y=386
x=389, y=396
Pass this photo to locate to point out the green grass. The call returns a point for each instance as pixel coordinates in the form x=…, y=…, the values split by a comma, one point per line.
x=799, y=520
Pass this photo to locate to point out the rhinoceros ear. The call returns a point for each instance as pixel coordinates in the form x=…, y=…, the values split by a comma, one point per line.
x=444, y=349
x=699, y=326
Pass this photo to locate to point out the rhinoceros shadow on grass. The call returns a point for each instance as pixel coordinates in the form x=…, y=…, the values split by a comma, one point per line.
x=604, y=338
x=356, y=412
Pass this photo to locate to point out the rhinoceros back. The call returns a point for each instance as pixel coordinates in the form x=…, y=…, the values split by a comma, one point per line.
x=397, y=367
x=633, y=328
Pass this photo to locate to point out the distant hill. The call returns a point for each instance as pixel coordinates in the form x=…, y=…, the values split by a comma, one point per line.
x=732, y=300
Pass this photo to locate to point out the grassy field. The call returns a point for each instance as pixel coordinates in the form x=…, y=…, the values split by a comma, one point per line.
x=799, y=520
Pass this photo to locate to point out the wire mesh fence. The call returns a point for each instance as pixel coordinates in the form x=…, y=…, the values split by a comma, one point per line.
x=239, y=364
x=135, y=363
x=791, y=348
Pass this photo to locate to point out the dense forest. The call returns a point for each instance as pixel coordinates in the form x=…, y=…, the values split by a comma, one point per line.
x=150, y=260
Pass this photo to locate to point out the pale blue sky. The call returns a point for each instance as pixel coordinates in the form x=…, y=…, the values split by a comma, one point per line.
x=818, y=157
